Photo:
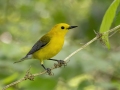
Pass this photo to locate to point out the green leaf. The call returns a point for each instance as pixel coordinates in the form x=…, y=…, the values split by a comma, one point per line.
x=107, y=21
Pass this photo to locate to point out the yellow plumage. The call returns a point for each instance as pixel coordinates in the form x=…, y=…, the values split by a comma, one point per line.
x=51, y=49
x=55, y=44
x=50, y=44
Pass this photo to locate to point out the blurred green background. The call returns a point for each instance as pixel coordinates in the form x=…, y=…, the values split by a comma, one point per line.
x=23, y=22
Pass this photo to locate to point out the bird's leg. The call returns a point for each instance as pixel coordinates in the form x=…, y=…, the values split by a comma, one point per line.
x=47, y=69
x=60, y=62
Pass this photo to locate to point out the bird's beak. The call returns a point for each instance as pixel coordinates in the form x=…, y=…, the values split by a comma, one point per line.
x=70, y=27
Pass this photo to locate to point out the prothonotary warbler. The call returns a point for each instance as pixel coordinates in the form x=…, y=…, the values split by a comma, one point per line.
x=49, y=45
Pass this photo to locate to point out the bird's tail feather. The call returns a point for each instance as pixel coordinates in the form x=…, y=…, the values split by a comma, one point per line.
x=22, y=59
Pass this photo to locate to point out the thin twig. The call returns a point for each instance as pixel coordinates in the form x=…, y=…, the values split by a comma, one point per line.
x=94, y=39
x=80, y=48
x=66, y=59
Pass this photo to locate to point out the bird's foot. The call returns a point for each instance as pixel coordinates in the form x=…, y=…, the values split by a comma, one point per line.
x=49, y=71
x=60, y=64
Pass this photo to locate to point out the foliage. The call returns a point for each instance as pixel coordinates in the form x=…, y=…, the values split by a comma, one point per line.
x=108, y=19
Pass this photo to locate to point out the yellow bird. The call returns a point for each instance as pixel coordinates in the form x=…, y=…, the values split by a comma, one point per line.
x=49, y=45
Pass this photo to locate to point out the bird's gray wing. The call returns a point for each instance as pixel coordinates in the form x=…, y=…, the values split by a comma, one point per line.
x=39, y=44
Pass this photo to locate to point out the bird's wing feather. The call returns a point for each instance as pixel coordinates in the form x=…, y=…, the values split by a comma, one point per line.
x=39, y=44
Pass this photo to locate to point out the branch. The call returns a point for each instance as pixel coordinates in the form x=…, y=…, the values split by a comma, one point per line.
x=31, y=76
x=98, y=36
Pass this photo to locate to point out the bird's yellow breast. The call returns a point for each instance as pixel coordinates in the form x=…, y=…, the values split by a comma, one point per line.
x=51, y=49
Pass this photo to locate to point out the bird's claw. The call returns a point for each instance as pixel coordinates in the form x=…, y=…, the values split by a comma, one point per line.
x=60, y=63
x=49, y=71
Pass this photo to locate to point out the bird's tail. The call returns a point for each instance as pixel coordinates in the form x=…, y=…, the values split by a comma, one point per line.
x=22, y=59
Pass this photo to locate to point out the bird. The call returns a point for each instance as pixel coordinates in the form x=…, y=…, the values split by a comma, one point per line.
x=49, y=45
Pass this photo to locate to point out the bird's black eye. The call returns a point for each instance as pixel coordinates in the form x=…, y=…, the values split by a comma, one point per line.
x=62, y=27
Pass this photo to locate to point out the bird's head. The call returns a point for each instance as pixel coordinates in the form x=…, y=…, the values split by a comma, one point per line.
x=62, y=28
